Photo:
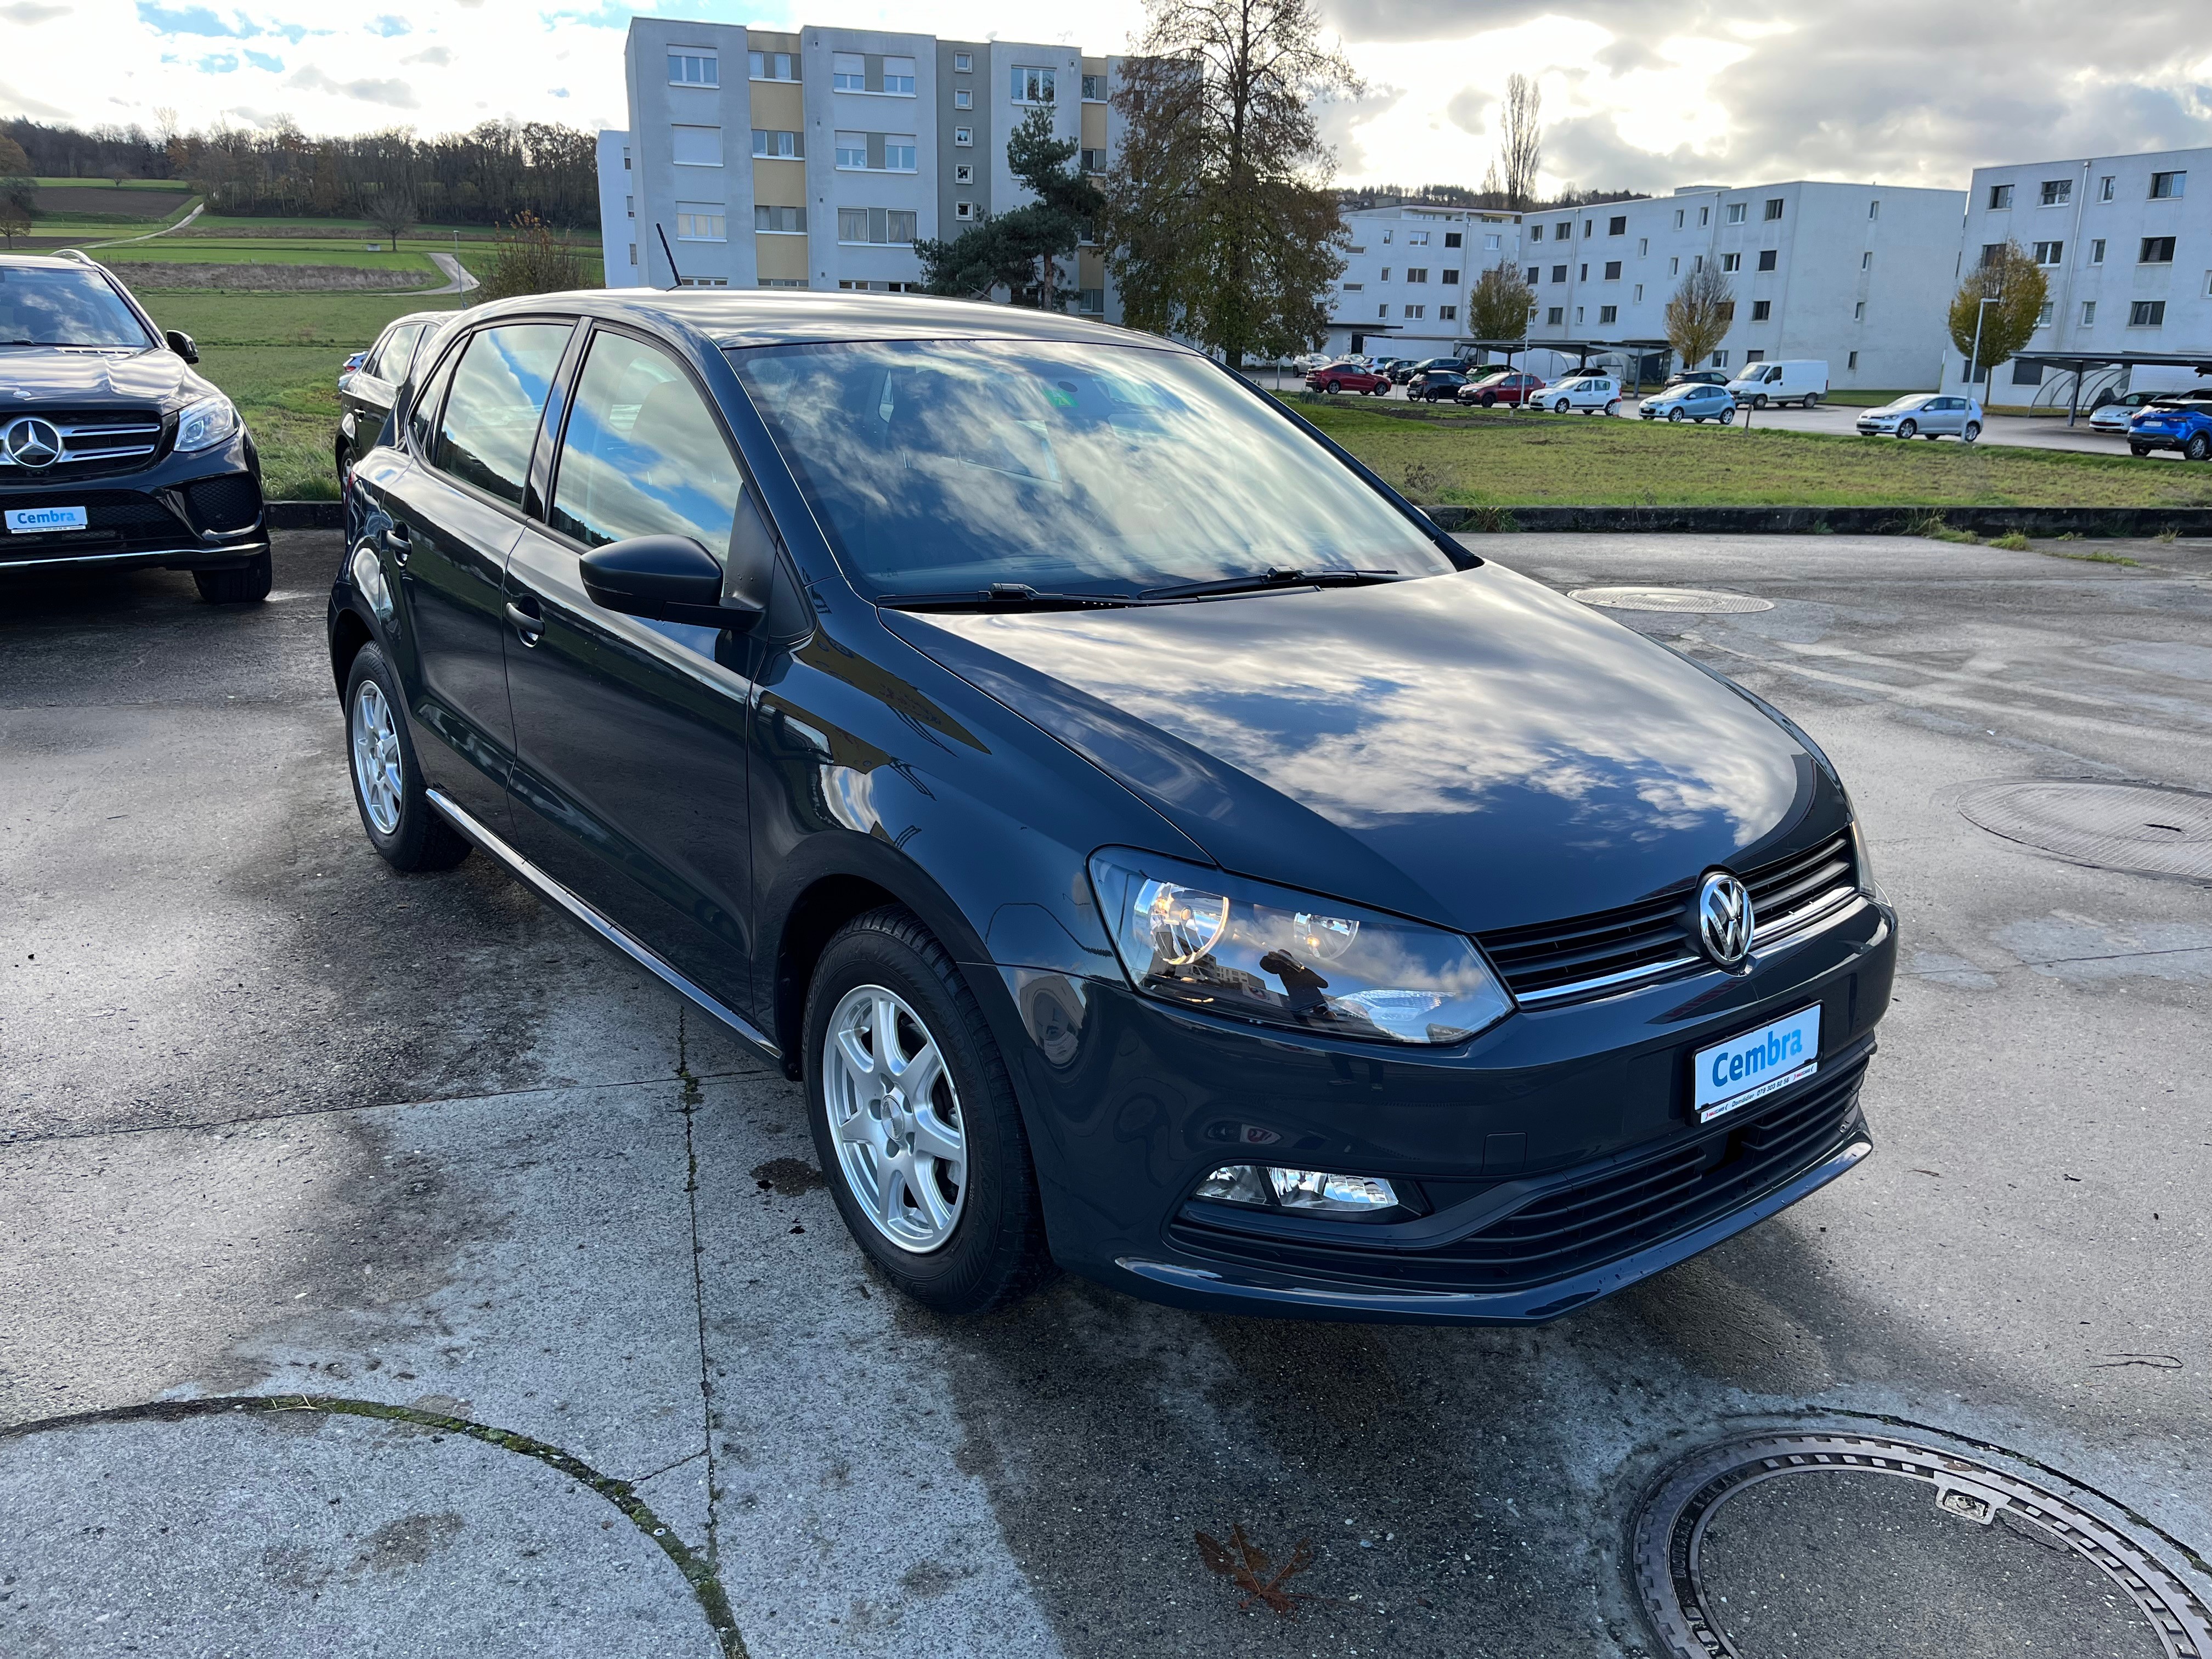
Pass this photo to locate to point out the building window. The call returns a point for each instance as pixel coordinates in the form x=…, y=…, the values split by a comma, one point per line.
x=691, y=66
x=1617, y=227
x=1638, y=295
x=1386, y=238
x=625, y=158
x=2056, y=193
x=1446, y=313
x=790, y=146
x=1873, y=208
x=2157, y=251
x=633, y=253
x=963, y=62
x=963, y=210
x=2165, y=186
x=2043, y=317
x=1590, y=227
x=1675, y=266
x=629, y=207
x=781, y=282
x=1851, y=361
x=1533, y=273
x=703, y=281
x=696, y=147
x=1750, y=357
x=1417, y=239
x=962, y=98
x=1353, y=288
x=1766, y=257
x=1613, y=270
x=2088, y=313
x=772, y=66
x=1555, y=316
x=780, y=221
x=1094, y=91
x=964, y=174
x=1761, y=310
x=853, y=150
x=1678, y=218
x=2097, y=251
x=1416, y=313
x=1417, y=273
x=2105, y=187
x=1535, y=233
x=1033, y=85
x=849, y=71
x=862, y=285
x=1558, y=273
x=1737, y=211
x=964, y=138
x=1453, y=238
x=1774, y=207
x=701, y=221
x=1094, y=160
x=1991, y=253
x=1450, y=278
x=1608, y=314
x=1720, y=360
x=2025, y=373
x=2000, y=197
x=1643, y=245
x=1383, y=312
x=2147, y=313
x=2049, y=253
x=1385, y=275
x=1564, y=229
x=1578, y=316
x=898, y=77
x=1858, y=312
x=1583, y=274
x=1704, y=215
x=876, y=226
x=1731, y=262
x=1090, y=302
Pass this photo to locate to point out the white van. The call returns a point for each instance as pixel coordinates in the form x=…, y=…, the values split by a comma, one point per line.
x=1801, y=380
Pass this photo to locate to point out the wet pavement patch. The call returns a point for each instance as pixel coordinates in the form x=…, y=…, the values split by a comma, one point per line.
x=1688, y=599
x=1815, y=1544
x=2138, y=827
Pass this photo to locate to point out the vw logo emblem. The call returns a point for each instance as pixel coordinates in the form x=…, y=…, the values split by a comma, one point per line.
x=33, y=442
x=1723, y=919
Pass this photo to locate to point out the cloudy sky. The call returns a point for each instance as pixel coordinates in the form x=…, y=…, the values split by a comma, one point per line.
x=1638, y=93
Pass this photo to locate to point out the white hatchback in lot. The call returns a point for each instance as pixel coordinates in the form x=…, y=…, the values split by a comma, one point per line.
x=1592, y=394
x=1929, y=415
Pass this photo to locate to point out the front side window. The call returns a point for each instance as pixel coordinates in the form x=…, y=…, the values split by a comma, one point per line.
x=2105, y=187
x=1617, y=227
x=1033, y=86
x=489, y=424
x=643, y=455
x=689, y=66
x=941, y=467
x=39, y=305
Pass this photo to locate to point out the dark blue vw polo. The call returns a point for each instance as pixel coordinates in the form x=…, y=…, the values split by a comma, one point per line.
x=1159, y=850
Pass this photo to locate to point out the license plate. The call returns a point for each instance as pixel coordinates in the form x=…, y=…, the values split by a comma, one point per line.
x=37, y=521
x=1756, y=1064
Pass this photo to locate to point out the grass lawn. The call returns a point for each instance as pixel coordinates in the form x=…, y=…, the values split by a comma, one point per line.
x=1517, y=460
x=172, y=250
x=180, y=186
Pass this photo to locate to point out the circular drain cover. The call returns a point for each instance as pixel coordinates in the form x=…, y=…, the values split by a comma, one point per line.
x=1831, y=1545
x=2119, y=826
x=1667, y=598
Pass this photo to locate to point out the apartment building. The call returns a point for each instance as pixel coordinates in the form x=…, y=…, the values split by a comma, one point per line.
x=2127, y=251
x=818, y=158
x=1406, y=273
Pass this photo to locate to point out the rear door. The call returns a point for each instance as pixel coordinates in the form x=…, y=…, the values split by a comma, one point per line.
x=367, y=398
x=455, y=514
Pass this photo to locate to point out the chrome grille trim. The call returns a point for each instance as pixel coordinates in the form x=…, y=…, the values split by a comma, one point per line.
x=89, y=438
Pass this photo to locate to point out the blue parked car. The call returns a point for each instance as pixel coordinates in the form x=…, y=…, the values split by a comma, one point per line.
x=1691, y=401
x=2175, y=424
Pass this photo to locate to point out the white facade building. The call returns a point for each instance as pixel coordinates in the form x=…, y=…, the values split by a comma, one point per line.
x=818, y=158
x=1407, y=274
x=2127, y=251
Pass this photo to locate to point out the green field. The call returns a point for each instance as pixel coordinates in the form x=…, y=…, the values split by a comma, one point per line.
x=178, y=186
x=1510, y=460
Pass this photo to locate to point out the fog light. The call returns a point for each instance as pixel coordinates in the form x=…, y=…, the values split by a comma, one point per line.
x=1235, y=1183
x=1331, y=1195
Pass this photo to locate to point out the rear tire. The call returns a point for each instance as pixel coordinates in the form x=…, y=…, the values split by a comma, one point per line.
x=1728, y=417
x=248, y=584
x=993, y=1249
x=406, y=830
x=1612, y=407
x=1812, y=400
x=1972, y=431
x=2138, y=449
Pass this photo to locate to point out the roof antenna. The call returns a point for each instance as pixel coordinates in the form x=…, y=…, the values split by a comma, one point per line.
x=672, y=270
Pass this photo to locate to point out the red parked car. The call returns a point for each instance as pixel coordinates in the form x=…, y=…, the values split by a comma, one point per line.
x=1347, y=377
x=1505, y=386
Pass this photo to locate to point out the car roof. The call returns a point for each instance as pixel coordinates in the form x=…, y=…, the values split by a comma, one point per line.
x=48, y=262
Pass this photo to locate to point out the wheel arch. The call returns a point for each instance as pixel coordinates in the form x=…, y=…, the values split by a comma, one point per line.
x=349, y=633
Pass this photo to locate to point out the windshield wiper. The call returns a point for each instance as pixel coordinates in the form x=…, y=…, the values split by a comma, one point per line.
x=1008, y=596
x=1276, y=576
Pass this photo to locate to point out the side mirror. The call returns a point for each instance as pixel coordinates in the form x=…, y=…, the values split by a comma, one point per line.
x=664, y=578
x=183, y=345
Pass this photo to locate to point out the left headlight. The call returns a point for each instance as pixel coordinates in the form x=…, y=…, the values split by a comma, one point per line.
x=1195, y=936
x=205, y=424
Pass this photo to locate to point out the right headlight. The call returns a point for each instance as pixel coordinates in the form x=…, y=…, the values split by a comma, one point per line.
x=1198, y=937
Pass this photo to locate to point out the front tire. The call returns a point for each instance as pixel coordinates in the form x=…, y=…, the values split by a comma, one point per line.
x=1490, y=400
x=2199, y=449
x=1759, y=402
x=936, y=1185
x=1561, y=407
x=248, y=584
x=1674, y=416
x=1907, y=429
x=388, y=789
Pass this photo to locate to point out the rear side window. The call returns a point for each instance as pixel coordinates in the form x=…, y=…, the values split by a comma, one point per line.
x=491, y=420
x=643, y=455
x=390, y=362
x=422, y=417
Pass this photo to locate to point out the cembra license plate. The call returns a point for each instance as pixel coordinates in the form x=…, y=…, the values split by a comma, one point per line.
x=1733, y=1074
x=37, y=521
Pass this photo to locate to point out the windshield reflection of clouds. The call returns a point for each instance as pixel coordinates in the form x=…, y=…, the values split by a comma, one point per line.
x=1381, y=704
x=948, y=465
x=40, y=307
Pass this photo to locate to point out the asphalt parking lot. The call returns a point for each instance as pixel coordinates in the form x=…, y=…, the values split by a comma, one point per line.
x=527, y=1325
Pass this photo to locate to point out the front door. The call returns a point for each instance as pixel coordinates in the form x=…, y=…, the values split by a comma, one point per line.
x=630, y=736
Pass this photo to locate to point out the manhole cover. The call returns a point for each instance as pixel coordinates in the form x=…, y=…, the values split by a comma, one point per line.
x=1828, y=1544
x=2120, y=826
x=1667, y=598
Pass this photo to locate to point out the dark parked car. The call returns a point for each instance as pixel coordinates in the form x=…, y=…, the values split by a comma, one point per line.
x=1348, y=377
x=1433, y=383
x=112, y=452
x=365, y=395
x=1157, y=846
x=1696, y=377
x=1406, y=368
x=1509, y=386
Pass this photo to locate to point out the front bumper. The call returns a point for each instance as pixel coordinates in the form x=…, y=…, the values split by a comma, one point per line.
x=1554, y=1158
x=198, y=511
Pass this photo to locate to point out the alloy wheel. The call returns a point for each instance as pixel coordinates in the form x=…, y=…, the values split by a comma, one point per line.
x=376, y=772
x=894, y=1117
x=1907, y=428
x=2198, y=447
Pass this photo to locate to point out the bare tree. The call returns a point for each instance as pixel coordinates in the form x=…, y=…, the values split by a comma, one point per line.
x=1219, y=219
x=392, y=212
x=2015, y=288
x=1498, y=307
x=1520, y=140
x=1698, y=316
x=14, y=222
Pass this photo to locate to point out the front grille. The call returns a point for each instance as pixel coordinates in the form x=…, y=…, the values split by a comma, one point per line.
x=230, y=502
x=94, y=441
x=1549, y=963
x=1586, y=1223
x=119, y=521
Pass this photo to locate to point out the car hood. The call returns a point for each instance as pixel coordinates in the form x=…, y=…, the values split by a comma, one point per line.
x=1471, y=749
x=44, y=374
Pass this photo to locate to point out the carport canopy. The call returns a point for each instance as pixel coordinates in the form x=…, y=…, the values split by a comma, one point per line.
x=2082, y=362
x=1581, y=350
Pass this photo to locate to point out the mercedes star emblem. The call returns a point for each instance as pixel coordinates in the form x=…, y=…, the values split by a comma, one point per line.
x=31, y=442
x=1724, y=918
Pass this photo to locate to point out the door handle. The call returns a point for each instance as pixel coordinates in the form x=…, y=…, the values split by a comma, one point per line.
x=527, y=624
x=397, y=538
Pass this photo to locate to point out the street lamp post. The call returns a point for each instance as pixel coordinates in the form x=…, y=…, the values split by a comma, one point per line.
x=1974, y=360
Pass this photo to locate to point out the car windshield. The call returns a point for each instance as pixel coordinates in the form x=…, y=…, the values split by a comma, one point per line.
x=42, y=306
x=1916, y=401
x=937, y=467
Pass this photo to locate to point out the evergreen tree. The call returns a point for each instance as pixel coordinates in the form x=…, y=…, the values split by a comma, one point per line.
x=1027, y=250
